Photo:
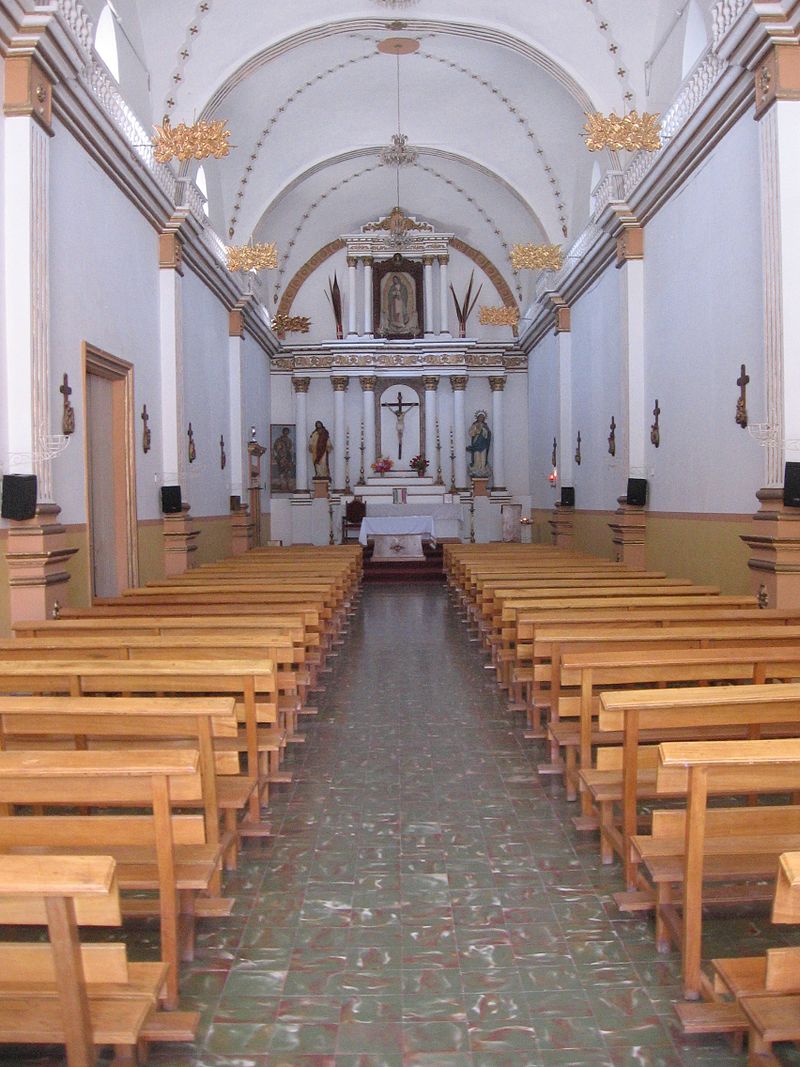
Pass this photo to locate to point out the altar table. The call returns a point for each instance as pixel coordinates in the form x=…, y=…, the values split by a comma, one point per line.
x=397, y=526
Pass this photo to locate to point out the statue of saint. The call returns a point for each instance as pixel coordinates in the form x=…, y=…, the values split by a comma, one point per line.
x=319, y=445
x=480, y=438
x=283, y=461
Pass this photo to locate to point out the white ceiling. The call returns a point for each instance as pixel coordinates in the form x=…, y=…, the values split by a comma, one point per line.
x=493, y=99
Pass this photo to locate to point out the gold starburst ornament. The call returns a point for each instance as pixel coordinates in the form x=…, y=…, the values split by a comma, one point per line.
x=630, y=133
x=199, y=141
x=291, y=324
x=252, y=257
x=536, y=257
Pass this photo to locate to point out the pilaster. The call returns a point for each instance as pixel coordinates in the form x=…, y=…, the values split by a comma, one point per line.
x=431, y=383
x=497, y=385
x=180, y=543
x=458, y=383
x=629, y=532
x=300, y=386
x=368, y=419
x=37, y=553
x=774, y=544
x=339, y=383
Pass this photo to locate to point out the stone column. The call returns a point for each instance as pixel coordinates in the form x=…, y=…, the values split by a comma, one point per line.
x=241, y=522
x=431, y=383
x=458, y=383
x=352, y=299
x=339, y=383
x=774, y=561
x=37, y=548
x=563, y=329
x=368, y=327
x=630, y=261
x=497, y=458
x=444, y=297
x=368, y=397
x=301, y=422
x=427, y=275
x=27, y=102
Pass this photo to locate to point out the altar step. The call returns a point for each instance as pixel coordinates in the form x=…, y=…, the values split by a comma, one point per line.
x=410, y=570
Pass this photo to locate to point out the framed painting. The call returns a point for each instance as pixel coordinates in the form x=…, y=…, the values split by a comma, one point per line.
x=282, y=458
x=397, y=298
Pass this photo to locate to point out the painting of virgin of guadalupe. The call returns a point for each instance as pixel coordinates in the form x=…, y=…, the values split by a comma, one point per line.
x=399, y=315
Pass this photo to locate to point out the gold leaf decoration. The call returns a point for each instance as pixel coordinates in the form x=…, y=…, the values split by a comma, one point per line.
x=252, y=257
x=536, y=257
x=629, y=133
x=291, y=324
x=199, y=141
x=499, y=316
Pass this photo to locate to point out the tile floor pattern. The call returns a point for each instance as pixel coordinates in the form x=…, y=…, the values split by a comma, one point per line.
x=426, y=902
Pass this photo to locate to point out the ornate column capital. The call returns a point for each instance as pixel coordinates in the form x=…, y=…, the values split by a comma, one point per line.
x=777, y=76
x=339, y=383
x=458, y=381
x=170, y=252
x=427, y=261
x=431, y=382
x=368, y=260
x=563, y=319
x=301, y=384
x=352, y=261
x=368, y=383
x=497, y=385
x=630, y=244
x=443, y=260
x=236, y=323
x=27, y=90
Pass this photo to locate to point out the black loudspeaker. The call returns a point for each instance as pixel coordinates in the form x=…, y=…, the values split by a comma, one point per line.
x=637, y=492
x=567, y=496
x=19, y=496
x=171, y=502
x=791, y=485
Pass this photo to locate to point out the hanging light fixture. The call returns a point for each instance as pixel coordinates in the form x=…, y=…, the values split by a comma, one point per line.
x=398, y=153
x=395, y=3
x=631, y=132
x=198, y=141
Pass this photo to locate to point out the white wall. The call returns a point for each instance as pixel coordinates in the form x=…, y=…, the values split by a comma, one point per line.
x=598, y=392
x=543, y=418
x=103, y=289
x=703, y=292
x=205, y=396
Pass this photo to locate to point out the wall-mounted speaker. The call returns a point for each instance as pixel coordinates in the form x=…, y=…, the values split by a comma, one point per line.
x=171, y=502
x=567, y=496
x=19, y=496
x=637, y=492
x=791, y=485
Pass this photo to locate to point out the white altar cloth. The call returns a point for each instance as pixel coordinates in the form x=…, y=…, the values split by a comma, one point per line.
x=397, y=524
x=447, y=518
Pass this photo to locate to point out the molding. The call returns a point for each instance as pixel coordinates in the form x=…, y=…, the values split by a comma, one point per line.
x=378, y=353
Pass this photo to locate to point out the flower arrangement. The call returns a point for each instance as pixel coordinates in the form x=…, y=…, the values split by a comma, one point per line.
x=382, y=464
x=419, y=464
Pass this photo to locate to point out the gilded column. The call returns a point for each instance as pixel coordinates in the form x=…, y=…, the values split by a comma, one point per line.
x=427, y=274
x=301, y=422
x=497, y=458
x=458, y=383
x=352, y=298
x=368, y=398
x=339, y=383
x=444, y=295
x=368, y=327
x=431, y=383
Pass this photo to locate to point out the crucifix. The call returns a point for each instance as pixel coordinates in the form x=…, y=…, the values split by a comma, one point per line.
x=146, y=437
x=612, y=437
x=655, y=431
x=741, y=404
x=68, y=414
x=399, y=410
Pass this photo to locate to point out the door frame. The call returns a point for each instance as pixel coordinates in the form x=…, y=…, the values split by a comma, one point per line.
x=120, y=373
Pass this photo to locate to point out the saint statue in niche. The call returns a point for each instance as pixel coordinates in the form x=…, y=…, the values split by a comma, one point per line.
x=480, y=438
x=320, y=445
x=398, y=306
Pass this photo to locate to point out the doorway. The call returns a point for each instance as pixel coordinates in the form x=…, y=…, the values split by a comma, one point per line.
x=110, y=472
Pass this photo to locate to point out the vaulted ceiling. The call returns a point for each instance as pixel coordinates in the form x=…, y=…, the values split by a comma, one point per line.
x=493, y=98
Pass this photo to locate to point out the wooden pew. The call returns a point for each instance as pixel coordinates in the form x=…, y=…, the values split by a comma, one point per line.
x=157, y=851
x=626, y=774
x=719, y=844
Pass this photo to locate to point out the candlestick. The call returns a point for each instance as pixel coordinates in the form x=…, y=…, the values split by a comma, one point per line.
x=452, y=463
x=361, y=472
x=439, y=479
x=347, y=461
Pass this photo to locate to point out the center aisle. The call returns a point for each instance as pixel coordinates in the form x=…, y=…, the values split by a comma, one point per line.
x=426, y=900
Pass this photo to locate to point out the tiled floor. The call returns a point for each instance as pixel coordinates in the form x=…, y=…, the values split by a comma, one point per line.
x=426, y=901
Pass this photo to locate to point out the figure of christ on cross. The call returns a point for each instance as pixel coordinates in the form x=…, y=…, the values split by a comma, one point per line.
x=399, y=409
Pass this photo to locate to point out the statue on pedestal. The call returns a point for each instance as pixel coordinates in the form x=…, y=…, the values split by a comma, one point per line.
x=320, y=445
x=480, y=438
